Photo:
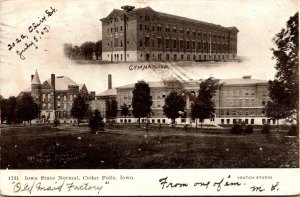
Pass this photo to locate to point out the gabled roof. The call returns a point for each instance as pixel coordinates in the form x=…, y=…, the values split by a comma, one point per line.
x=109, y=92
x=36, y=79
x=62, y=82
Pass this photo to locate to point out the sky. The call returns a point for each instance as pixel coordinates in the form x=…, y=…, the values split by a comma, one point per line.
x=78, y=21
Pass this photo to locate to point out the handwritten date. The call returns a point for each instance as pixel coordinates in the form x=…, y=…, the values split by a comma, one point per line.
x=35, y=33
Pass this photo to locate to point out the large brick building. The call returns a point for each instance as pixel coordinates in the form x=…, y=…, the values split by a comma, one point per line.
x=236, y=100
x=154, y=36
x=55, y=97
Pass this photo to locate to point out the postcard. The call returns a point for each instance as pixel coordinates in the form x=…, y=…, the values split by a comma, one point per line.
x=149, y=97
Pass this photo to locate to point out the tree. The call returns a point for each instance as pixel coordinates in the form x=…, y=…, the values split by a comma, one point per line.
x=87, y=49
x=284, y=89
x=68, y=50
x=96, y=121
x=26, y=108
x=98, y=49
x=141, y=100
x=204, y=106
x=76, y=52
x=79, y=108
x=10, y=107
x=124, y=110
x=276, y=111
x=174, y=104
x=2, y=108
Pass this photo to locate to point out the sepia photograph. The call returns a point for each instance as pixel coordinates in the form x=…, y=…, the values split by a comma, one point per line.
x=148, y=85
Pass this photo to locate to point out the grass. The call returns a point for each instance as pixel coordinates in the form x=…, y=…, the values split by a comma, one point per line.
x=76, y=148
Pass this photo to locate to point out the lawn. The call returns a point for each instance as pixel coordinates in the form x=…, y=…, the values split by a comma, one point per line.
x=76, y=148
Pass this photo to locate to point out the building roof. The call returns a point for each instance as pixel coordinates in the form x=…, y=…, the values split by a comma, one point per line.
x=36, y=79
x=241, y=81
x=195, y=83
x=62, y=82
x=161, y=14
x=109, y=92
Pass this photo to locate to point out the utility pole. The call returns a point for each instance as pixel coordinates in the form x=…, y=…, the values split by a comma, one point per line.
x=126, y=8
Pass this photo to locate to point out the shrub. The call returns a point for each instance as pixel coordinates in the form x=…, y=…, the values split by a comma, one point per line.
x=96, y=122
x=265, y=129
x=249, y=129
x=293, y=130
x=56, y=122
x=236, y=129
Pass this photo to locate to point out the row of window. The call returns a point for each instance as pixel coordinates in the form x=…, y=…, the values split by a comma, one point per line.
x=239, y=92
x=182, y=44
x=202, y=35
x=247, y=121
x=175, y=57
x=143, y=120
x=58, y=97
x=58, y=106
x=237, y=113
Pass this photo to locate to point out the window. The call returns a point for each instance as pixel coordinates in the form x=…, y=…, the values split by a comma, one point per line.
x=158, y=120
x=181, y=43
x=222, y=121
x=147, y=41
x=141, y=43
x=58, y=97
x=167, y=57
x=228, y=121
x=141, y=26
x=188, y=44
x=58, y=105
x=174, y=44
x=65, y=97
x=222, y=113
x=121, y=28
x=116, y=42
x=181, y=31
x=188, y=31
x=163, y=121
x=167, y=43
x=188, y=57
x=252, y=121
x=167, y=29
x=174, y=30
x=158, y=28
x=194, y=45
x=158, y=42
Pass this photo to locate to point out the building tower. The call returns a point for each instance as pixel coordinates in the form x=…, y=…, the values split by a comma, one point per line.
x=36, y=88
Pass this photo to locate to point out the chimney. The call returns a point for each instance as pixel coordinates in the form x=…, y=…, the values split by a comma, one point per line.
x=109, y=81
x=53, y=81
x=32, y=77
